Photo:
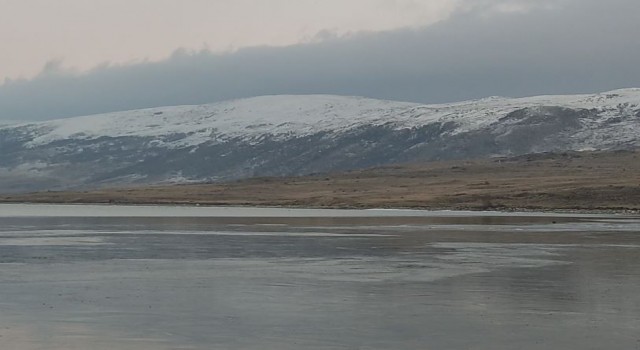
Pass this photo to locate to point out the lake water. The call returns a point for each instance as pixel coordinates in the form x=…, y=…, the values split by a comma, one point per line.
x=111, y=277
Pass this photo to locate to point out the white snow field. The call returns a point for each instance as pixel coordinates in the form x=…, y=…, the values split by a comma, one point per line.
x=299, y=115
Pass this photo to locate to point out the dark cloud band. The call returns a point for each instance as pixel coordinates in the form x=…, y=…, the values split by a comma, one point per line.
x=584, y=46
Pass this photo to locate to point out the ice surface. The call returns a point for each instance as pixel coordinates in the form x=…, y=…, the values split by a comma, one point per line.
x=56, y=210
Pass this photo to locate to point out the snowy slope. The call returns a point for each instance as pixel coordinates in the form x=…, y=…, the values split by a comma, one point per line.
x=288, y=116
x=285, y=135
x=247, y=118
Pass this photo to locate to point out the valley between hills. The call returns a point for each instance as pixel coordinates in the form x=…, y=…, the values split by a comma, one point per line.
x=591, y=181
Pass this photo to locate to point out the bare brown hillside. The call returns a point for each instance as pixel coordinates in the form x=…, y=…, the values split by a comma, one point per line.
x=586, y=180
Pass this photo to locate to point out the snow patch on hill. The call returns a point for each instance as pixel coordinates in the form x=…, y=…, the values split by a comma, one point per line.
x=246, y=118
x=293, y=116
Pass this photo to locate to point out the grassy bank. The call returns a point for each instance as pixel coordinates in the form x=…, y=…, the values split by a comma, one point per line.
x=581, y=181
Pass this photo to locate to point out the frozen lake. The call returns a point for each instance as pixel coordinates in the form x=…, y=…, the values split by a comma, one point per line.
x=110, y=277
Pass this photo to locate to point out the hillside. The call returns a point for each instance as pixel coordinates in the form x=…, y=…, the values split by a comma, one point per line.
x=575, y=180
x=299, y=135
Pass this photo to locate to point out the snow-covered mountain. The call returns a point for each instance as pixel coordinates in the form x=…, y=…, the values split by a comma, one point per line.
x=292, y=135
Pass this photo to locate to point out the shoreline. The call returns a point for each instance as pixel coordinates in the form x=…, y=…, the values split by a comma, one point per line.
x=504, y=210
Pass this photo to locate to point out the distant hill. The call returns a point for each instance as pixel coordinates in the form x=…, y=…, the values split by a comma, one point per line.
x=298, y=135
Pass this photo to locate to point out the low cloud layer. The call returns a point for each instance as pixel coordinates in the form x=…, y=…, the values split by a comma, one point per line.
x=508, y=48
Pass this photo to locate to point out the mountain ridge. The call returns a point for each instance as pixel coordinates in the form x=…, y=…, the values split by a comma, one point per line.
x=347, y=105
x=302, y=134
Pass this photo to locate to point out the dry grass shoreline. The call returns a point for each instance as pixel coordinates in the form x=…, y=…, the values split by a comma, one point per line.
x=573, y=181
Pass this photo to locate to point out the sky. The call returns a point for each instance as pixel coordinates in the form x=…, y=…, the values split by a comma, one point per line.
x=86, y=33
x=66, y=58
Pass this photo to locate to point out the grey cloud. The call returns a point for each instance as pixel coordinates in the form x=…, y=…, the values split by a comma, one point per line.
x=580, y=46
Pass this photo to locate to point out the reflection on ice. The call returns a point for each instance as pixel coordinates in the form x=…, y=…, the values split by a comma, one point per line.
x=371, y=282
x=51, y=241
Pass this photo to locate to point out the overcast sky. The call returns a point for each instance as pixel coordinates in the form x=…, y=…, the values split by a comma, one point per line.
x=73, y=57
